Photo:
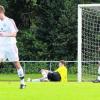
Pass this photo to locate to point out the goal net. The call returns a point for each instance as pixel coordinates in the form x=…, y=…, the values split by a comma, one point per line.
x=88, y=41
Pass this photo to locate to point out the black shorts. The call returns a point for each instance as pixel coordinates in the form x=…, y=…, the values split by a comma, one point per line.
x=55, y=76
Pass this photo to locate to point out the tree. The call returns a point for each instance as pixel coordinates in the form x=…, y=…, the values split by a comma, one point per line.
x=56, y=22
x=4, y=3
x=29, y=47
x=17, y=8
x=48, y=29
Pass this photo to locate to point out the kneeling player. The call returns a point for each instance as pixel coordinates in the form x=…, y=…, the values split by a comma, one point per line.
x=59, y=75
x=8, y=48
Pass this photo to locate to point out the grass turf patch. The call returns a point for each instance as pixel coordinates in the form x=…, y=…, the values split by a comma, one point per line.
x=50, y=91
x=14, y=77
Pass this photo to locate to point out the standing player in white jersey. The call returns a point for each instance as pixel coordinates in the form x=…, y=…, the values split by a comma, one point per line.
x=8, y=48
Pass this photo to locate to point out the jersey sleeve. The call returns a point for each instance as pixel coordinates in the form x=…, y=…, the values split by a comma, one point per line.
x=13, y=27
x=57, y=70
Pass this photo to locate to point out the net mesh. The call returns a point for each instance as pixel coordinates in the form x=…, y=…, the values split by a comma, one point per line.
x=90, y=42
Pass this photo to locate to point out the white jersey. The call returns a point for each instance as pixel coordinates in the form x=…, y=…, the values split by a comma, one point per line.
x=8, y=25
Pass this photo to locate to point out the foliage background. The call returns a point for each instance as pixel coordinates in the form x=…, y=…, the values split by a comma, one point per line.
x=47, y=28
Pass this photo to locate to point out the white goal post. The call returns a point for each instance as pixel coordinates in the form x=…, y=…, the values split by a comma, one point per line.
x=88, y=37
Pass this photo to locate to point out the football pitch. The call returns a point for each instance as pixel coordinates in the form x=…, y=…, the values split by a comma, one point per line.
x=50, y=91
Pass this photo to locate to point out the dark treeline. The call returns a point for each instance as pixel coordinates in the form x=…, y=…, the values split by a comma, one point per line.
x=47, y=28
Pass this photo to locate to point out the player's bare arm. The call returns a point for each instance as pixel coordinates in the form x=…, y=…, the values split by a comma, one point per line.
x=5, y=34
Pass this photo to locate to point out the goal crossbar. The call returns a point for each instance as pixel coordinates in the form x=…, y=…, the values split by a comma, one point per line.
x=89, y=5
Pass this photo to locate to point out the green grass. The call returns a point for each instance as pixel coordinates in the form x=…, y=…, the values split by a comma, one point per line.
x=50, y=91
x=71, y=77
x=14, y=77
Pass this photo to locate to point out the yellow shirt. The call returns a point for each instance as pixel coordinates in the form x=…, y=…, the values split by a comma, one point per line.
x=63, y=73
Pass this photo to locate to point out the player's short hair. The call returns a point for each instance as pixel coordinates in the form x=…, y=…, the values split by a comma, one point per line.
x=2, y=9
x=62, y=62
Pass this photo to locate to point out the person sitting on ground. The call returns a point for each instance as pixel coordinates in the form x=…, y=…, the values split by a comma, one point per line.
x=59, y=75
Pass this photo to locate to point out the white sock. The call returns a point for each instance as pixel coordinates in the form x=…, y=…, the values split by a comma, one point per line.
x=99, y=73
x=36, y=80
x=40, y=79
x=21, y=75
x=44, y=73
x=98, y=77
x=99, y=70
x=20, y=72
x=22, y=82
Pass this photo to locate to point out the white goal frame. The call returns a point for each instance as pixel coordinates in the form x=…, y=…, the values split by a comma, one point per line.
x=79, y=53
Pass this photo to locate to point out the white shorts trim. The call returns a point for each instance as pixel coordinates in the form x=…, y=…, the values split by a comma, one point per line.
x=9, y=53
